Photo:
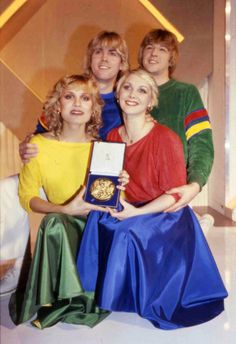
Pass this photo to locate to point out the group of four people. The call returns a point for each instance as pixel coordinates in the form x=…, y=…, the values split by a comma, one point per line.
x=150, y=257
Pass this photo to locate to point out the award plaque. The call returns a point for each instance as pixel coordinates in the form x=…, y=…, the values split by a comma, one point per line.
x=106, y=163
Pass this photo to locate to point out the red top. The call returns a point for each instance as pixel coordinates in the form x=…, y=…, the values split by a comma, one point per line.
x=155, y=163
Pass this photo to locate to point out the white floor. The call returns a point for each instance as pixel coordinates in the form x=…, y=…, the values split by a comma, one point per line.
x=121, y=328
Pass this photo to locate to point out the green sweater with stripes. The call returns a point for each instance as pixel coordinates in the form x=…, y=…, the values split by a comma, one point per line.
x=181, y=109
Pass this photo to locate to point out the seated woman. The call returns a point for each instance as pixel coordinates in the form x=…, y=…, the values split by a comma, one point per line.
x=143, y=259
x=73, y=110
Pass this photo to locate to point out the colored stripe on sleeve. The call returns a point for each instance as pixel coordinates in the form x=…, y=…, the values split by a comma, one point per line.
x=195, y=115
x=195, y=122
x=197, y=128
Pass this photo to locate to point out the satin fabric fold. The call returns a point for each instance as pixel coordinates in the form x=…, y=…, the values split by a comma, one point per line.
x=53, y=278
x=157, y=265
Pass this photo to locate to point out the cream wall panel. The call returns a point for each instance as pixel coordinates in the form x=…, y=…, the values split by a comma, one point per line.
x=231, y=106
x=217, y=109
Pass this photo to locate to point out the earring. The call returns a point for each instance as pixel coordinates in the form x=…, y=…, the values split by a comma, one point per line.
x=149, y=108
x=93, y=114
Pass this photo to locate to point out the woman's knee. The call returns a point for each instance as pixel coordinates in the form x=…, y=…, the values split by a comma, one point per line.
x=52, y=221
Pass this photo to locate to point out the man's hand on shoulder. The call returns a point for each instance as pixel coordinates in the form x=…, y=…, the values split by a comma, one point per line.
x=27, y=150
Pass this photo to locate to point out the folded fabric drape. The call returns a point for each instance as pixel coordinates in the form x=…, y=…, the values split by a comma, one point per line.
x=158, y=265
x=53, y=288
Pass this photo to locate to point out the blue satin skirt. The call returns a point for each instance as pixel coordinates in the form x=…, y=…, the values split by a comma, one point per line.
x=158, y=265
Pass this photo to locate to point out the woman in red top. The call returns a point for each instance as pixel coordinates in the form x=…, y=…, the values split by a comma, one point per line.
x=142, y=259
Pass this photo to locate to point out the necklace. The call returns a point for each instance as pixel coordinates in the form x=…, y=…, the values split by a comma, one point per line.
x=143, y=131
x=127, y=139
x=130, y=140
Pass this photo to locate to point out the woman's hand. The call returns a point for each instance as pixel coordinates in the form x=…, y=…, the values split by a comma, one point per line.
x=186, y=192
x=79, y=207
x=123, y=180
x=128, y=211
x=27, y=150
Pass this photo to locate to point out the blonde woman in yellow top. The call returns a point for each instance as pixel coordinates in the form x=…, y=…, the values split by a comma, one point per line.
x=53, y=290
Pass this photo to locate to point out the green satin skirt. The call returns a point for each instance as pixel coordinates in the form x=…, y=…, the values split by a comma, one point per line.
x=53, y=289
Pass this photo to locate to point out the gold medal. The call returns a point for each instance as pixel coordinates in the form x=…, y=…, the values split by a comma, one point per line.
x=102, y=189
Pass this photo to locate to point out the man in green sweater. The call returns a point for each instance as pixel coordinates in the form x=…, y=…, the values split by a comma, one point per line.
x=181, y=109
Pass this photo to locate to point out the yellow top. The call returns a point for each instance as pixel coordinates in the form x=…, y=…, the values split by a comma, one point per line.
x=60, y=168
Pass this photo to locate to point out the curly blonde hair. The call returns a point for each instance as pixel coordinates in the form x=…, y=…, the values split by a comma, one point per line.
x=107, y=39
x=52, y=104
x=166, y=38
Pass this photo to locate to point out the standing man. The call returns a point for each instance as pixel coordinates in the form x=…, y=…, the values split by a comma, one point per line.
x=181, y=109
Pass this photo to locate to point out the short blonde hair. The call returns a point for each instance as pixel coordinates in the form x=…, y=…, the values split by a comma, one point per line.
x=107, y=39
x=52, y=104
x=141, y=73
x=168, y=39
